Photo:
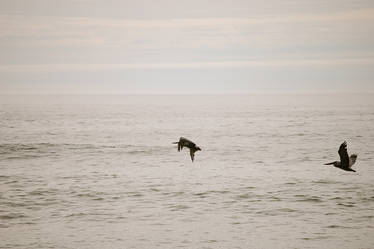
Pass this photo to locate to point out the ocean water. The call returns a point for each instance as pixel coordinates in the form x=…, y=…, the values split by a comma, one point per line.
x=102, y=172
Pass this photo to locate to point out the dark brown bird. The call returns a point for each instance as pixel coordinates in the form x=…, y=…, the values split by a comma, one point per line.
x=184, y=142
x=346, y=162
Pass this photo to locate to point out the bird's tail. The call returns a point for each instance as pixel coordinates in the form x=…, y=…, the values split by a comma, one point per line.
x=329, y=163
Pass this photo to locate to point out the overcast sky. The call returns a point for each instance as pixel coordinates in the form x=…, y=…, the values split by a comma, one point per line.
x=187, y=46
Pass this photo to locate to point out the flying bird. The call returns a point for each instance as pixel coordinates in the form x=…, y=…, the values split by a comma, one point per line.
x=346, y=161
x=184, y=142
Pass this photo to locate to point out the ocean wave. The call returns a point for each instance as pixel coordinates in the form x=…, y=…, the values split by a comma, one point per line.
x=11, y=216
x=314, y=199
x=12, y=151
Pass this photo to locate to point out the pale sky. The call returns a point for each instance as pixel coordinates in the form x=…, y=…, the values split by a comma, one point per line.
x=187, y=46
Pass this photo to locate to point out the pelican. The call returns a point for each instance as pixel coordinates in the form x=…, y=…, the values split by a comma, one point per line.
x=184, y=142
x=346, y=161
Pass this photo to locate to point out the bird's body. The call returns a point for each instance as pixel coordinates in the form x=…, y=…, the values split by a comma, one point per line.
x=346, y=162
x=184, y=142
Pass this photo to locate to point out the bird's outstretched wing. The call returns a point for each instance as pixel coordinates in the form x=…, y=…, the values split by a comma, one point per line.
x=192, y=154
x=344, y=158
x=352, y=160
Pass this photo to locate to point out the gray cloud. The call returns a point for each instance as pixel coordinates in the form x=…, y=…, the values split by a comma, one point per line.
x=74, y=37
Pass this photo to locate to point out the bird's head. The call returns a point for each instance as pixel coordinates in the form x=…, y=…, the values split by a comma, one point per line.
x=197, y=148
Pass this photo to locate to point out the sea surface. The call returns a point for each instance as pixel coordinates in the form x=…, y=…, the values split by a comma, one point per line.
x=102, y=172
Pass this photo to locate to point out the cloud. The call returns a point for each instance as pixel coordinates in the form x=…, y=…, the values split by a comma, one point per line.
x=191, y=65
x=86, y=46
x=258, y=31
